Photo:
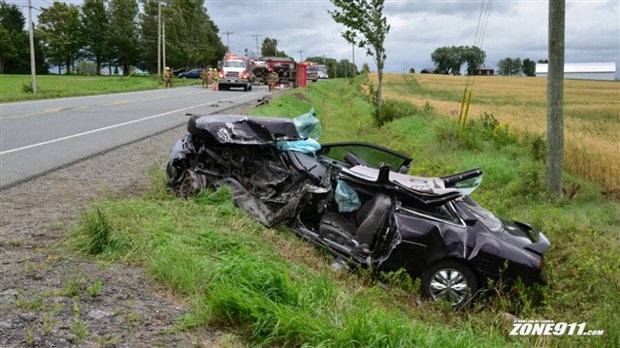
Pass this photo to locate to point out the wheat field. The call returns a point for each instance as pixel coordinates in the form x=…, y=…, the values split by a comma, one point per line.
x=591, y=112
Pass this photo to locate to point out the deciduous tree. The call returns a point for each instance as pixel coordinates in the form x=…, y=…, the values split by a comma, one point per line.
x=7, y=49
x=192, y=38
x=366, y=27
x=449, y=60
x=59, y=27
x=123, y=33
x=529, y=67
x=95, y=26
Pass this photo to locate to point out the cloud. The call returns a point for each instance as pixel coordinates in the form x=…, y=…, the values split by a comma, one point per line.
x=516, y=28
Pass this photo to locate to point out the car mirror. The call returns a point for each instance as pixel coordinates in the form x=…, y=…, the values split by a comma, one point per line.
x=470, y=221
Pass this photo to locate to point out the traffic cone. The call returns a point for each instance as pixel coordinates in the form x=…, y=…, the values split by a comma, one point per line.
x=213, y=88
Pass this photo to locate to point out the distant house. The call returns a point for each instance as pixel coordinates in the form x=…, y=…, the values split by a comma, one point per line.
x=583, y=71
x=485, y=71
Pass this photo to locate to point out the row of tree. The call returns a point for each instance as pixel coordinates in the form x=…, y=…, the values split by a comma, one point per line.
x=111, y=32
x=515, y=67
x=335, y=68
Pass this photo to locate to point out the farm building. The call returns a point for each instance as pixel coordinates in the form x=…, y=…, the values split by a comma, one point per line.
x=485, y=71
x=583, y=71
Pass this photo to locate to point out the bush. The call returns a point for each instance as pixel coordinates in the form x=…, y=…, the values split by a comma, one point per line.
x=395, y=109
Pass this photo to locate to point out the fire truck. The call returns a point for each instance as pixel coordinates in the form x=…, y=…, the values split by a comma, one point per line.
x=286, y=68
x=312, y=72
x=235, y=72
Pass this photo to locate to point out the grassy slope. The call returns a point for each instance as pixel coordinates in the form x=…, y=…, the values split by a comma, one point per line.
x=13, y=87
x=272, y=288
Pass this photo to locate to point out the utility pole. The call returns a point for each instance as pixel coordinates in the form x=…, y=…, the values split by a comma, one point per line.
x=256, y=36
x=33, y=64
x=158, y=38
x=353, y=53
x=555, y=97
x=301, y=58
x=228, y=39
x=163, y=47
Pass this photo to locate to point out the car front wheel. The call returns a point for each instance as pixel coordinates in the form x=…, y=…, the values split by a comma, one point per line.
x=451, y=281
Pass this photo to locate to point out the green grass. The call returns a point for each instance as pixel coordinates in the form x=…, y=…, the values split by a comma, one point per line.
x=17, y=87
x=273, y=289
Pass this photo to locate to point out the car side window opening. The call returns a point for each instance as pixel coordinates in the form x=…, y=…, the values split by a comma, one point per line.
x=443, y=212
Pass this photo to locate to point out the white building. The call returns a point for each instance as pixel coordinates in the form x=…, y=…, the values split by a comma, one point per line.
x=583, y=71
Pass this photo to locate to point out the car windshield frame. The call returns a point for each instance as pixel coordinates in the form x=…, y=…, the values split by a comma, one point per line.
x=373, y=155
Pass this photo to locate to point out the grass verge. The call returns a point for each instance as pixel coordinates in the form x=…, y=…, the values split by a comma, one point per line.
x=17, y=87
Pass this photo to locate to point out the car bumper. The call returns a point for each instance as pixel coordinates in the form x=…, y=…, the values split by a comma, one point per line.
x=233, y=82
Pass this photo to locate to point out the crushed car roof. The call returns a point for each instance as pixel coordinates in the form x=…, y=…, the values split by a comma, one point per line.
x=241, y=129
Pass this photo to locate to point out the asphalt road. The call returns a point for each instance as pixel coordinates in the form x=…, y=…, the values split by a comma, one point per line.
x=39, y=136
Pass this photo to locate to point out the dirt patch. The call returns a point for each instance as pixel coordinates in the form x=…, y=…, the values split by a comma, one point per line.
x=51, y=297
x=302, y=97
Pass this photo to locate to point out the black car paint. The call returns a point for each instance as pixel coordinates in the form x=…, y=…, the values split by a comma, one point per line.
x=422, y=228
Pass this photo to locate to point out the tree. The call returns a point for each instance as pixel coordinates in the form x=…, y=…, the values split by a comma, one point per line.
x=192, y=38
x=529, y=67
x=11, y=18
x=474, y=57
x=367, y=28
x=59, y=27
x=7, y=49
x=449, y=60
x=123, y=33
x=95, y=26
x=516, y=67
x=269, y=48
x=412, y=70
x=11, y=26
x=346, y=69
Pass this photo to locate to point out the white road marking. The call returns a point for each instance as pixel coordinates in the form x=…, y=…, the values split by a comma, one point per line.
x=112, y=126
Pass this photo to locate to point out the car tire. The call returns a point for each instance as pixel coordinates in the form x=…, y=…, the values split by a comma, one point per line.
x=450, y=280
x=250, y=88
x=245, y=88
x=220, y=87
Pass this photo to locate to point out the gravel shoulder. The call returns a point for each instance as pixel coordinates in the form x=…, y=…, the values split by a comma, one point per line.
x=46, y=292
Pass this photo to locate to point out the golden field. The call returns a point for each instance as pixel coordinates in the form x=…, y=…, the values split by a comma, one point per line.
x=591, y=112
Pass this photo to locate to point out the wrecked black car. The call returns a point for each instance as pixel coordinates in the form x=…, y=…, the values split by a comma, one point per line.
x=356, y=200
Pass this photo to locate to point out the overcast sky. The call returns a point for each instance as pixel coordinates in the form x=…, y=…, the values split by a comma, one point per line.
x=516, y=28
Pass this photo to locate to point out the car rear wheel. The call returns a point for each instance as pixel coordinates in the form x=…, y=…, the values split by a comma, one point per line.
x=450, y=281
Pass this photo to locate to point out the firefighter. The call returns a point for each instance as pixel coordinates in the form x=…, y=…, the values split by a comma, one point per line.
x=272, y=79
x=205, y=75
x=168, y=78
x=213, y=74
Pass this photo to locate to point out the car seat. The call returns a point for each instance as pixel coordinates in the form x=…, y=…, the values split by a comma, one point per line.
x=369, y=218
